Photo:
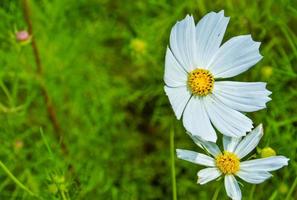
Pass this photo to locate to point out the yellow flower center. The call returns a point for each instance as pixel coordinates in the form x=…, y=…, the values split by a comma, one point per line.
x=200, y=82
x=228, y=163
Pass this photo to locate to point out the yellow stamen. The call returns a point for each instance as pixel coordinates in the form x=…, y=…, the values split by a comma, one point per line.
x=200, y=82
x=228, y=163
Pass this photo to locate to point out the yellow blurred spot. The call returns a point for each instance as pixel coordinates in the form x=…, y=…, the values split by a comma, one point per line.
x=59, y=179
x=267, y=152
x=283, y=188
x=52, y=188
x=19, y=144
x=138, y=45
x=63, y=187
x=267, y=71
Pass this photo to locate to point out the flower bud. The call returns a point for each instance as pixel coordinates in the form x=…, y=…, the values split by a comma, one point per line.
x=52, y=188
x=59, y=179
x=267, y=71
x=267, y=152
x=138, y=46
x=23, y=37
x=283, y=188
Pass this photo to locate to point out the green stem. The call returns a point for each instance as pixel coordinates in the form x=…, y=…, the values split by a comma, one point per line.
x=216, y=194
x=273, y=196
x=63, y=195
x=252, y=192
x=6, y=170
x=292, y=189
x=172, y=156
x=6, y=92
x=51, y=110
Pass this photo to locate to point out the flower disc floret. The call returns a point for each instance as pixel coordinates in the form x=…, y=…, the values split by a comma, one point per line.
x=228, y=163
x=200, y=82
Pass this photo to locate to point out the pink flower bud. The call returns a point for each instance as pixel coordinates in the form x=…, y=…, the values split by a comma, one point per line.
x=22, y=36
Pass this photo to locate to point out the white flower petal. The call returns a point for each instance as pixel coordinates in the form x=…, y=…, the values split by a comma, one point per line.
x=183, y=43
x=264, y=164
x=210, y=147
x=249, y=142
x=232, y=187
x=196, y=120
x=228, y=121
x=210, y=31
x=235, y=56
x=208, y=174
x=230, y=143
x=174, y=75
x=178, y=98
x=254, y=177
x=195, y=157
x=242, y=96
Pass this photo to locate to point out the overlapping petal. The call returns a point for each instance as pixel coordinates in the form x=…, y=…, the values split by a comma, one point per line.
x=208, y=174
x=178, y=98
x=210, y=147
x=183, y=43
x=230, y=143
x=264, y=164
x=232, y=187
x=242, y=96
x=196, y=120
x=210, y=31
x=254, y=177
x=249, y=142
x=174, y=75
x=235, y=56
x=195, y=157
x=228, y=121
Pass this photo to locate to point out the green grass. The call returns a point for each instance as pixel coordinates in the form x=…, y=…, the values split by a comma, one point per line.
x=109, y=98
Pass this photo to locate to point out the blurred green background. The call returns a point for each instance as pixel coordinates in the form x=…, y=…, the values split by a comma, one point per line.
x=103, y=64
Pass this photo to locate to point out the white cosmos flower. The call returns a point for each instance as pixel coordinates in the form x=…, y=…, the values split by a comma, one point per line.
x=229, y=164
x=195, y=61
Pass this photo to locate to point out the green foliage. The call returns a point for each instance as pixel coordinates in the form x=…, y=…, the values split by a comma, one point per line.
x=103, y=66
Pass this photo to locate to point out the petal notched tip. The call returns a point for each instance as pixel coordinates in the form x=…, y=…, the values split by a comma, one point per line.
x=285, y=161
x=259, y=129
